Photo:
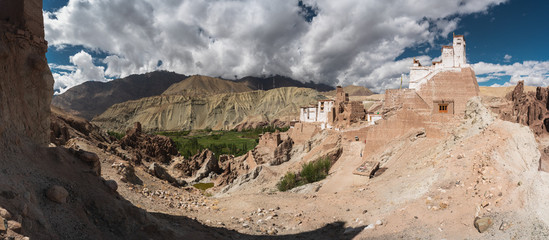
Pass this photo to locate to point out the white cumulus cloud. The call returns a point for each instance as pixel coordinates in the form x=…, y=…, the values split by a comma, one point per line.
x=83, y=70
x=534, y=73
x=349, y=41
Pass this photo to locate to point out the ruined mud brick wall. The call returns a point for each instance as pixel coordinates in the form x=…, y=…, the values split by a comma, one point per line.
x=24, y=102
x=458, y=86
x=303, y=132
x=270, y=140
x=355, y=110
x=341, y=96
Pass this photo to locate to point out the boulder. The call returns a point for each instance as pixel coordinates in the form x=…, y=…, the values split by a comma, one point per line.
x=482, y=224
x=158, y=171
x=3, y=225
x=4, y=213
x=14, y=226
x=91, y=159
x=112, y=185
x=127, y=172
x=57, y=194
x=210, y=164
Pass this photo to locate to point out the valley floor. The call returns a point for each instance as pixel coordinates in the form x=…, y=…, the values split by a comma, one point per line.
x=432, y=188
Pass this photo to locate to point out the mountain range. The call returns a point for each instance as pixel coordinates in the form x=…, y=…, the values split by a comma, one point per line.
x=92, y=98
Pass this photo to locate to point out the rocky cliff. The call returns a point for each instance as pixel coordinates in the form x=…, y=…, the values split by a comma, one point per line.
x=222, y=111
x=528, y=108
x=54, y=192
x=26, y=82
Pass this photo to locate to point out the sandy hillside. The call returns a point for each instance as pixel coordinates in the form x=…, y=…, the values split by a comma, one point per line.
x=352, y=90
x=430, y=188
x=203, y=85
x=221, y=111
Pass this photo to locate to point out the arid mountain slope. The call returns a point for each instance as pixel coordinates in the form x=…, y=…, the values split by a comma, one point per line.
x=353, y=90
x=90, y=99
x=203, y=85
x=222, y=111
x=267, y=83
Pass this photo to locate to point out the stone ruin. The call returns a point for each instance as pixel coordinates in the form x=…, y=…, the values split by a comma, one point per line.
x=440, y=89
x=273, y=148
x=334, y=113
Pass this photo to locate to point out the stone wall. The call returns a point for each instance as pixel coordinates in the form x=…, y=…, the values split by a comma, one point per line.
x=26, y=83
x=303, y=132
x=457, y=86
x=405, y=99
x=270, y=140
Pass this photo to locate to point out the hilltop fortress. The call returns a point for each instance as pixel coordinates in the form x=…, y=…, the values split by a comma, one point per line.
x=436, y=92
x=436, y=99
x=442, y=88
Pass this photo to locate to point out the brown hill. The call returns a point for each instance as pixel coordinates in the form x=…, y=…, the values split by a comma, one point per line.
x=90, y=99
x=221, y=111
x=277, y=81
x=203, y=85
x=353, y=91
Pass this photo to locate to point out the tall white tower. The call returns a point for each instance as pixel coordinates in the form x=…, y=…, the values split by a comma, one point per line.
x=459, y=51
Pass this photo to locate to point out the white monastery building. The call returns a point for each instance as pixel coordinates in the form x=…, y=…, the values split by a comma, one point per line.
x=452, y=59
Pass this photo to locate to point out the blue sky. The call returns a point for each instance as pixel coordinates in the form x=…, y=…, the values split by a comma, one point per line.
x=367, y=43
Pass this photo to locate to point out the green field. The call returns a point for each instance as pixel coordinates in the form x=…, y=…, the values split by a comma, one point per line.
x=220, y=142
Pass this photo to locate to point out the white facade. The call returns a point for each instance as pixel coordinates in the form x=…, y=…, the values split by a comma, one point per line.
x=324, y=107
x=452, y=59
x=308, y=114
x=372, y=118
x=319, y=113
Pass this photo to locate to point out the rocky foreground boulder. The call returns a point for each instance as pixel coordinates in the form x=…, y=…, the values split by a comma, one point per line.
x=147, y=147
x=65, y=126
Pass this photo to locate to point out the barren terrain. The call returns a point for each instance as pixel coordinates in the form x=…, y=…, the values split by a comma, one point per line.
x=430, y=188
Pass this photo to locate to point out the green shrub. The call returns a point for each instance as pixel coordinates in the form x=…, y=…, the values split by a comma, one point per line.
x=315, y=171
x=310, y=172
x=287, y=182
x=116, y=134
x=219, y=142
x=203, y=186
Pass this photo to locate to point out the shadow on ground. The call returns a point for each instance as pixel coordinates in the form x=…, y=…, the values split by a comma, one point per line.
x=335, y=230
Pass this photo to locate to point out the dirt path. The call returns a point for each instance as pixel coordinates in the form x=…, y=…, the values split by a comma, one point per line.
x=341, y=177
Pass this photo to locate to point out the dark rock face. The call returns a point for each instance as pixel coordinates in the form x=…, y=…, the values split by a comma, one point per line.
x=282, y=152
x=150, y=148
x=64, y=127
x=160, y=172
x=26, y=81
x=530, y=109
x=201, y=165
x=261, y=124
